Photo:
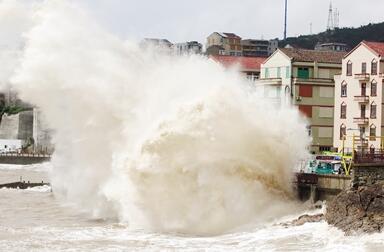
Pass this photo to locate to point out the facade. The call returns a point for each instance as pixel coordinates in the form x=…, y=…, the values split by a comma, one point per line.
x=191, y=47
x=161, y=45
x=25, y=127
x=304, y=78
x=359, y=98
x=249, y=66
x=337, y=47
x=229, y=41
x=258, y=48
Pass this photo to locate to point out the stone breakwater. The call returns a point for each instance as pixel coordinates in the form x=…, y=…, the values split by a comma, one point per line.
x=358, y=210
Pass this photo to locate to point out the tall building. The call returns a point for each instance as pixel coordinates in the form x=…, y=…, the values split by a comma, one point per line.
x=359, y=97
x=230, y=42
x=258, y=48
x=304, y=78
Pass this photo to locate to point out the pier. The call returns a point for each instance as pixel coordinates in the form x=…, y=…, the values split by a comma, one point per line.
x=314, y=187
x=24, y=158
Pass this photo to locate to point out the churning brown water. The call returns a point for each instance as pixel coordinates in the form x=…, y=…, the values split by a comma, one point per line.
x=35, y=220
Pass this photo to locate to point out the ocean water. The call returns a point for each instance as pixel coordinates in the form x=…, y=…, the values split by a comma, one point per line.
x=37, y=220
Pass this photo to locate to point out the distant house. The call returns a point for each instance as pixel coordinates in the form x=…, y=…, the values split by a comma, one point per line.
x=163, y=45
x=230, y=42
x=304, y=78
x=193, y=47
x=258, y=48
x=250, y=66
x=359, y=101
x=337, y=47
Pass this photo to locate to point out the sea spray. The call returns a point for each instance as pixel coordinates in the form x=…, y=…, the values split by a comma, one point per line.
x=161, y=142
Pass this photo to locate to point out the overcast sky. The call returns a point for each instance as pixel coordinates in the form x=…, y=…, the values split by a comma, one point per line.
x=196, y=19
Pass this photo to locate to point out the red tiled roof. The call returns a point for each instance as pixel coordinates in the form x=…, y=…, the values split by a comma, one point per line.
x=246, y=63
x=231, y=35
x=378, y=47
x=305, y=55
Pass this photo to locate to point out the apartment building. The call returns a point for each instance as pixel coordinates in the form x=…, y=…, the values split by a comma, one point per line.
x=230, y=43
x=338, y=47
x=359, y=97
x=305, y=78
x=249, y=66
x=191, y=47
x=258, y=47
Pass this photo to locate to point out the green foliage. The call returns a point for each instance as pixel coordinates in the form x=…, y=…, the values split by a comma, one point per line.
x=349, y=36
x=10, y=109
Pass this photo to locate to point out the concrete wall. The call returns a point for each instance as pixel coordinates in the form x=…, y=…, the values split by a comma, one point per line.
x=367, y=174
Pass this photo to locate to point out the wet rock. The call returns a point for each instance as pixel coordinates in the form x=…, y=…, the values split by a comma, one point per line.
x=358, y=210
x=305, y=219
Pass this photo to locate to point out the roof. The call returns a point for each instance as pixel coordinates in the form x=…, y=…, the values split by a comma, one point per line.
x=378, y=47
x=229, y=35
x=305, y=55
x=246, y=63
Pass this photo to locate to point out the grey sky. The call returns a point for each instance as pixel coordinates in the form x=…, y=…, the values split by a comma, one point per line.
x=194, y=20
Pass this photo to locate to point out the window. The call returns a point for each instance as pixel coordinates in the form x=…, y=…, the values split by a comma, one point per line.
x=266, y=73
x=373, y=110
x=343, y=89
x=303, y=72
x=278, y=72
x=363, y=67
x=349, y=68
x=305, y=90
x=343, y=111
x=372, y=149
x=374, y=67
x=373, y=88
x=324, y=148
x=325, y=112
x=343, y=132
x=306, y=110
x=372, y=133
x=326, y=92
x=287, y=72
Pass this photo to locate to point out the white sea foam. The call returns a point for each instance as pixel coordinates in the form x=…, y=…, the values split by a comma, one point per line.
x=164, y=143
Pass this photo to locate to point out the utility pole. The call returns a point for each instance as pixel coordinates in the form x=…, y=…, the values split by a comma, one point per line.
x=285, y=20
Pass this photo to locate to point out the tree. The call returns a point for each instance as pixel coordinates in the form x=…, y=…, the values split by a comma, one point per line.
x=9, y=110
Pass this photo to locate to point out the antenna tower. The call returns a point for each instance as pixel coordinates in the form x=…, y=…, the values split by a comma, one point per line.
x=330, y=25
x=336, y=15
x=285, y=19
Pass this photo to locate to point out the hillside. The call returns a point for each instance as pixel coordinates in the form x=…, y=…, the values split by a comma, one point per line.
x=349, y=36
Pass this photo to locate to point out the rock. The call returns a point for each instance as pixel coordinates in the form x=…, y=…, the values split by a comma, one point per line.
x=304, y=219
x=358, y=210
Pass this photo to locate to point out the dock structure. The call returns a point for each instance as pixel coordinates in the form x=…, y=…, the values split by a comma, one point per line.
x=314, y=187
x=23, y=185
x=365, y=167
x=24, y=159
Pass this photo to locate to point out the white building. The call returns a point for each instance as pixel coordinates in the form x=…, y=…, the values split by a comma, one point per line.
x=359, y=97
x=191, y=47
x=304, y=78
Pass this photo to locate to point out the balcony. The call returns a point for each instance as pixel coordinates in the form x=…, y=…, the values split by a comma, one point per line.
x=268, y=81
x=362, y=77
x=361, y=120
x=361, y=142
x=313, y=81
x=361, y=98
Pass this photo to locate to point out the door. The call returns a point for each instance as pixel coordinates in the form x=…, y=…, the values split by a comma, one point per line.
x=362, y=112
x=363, y=89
